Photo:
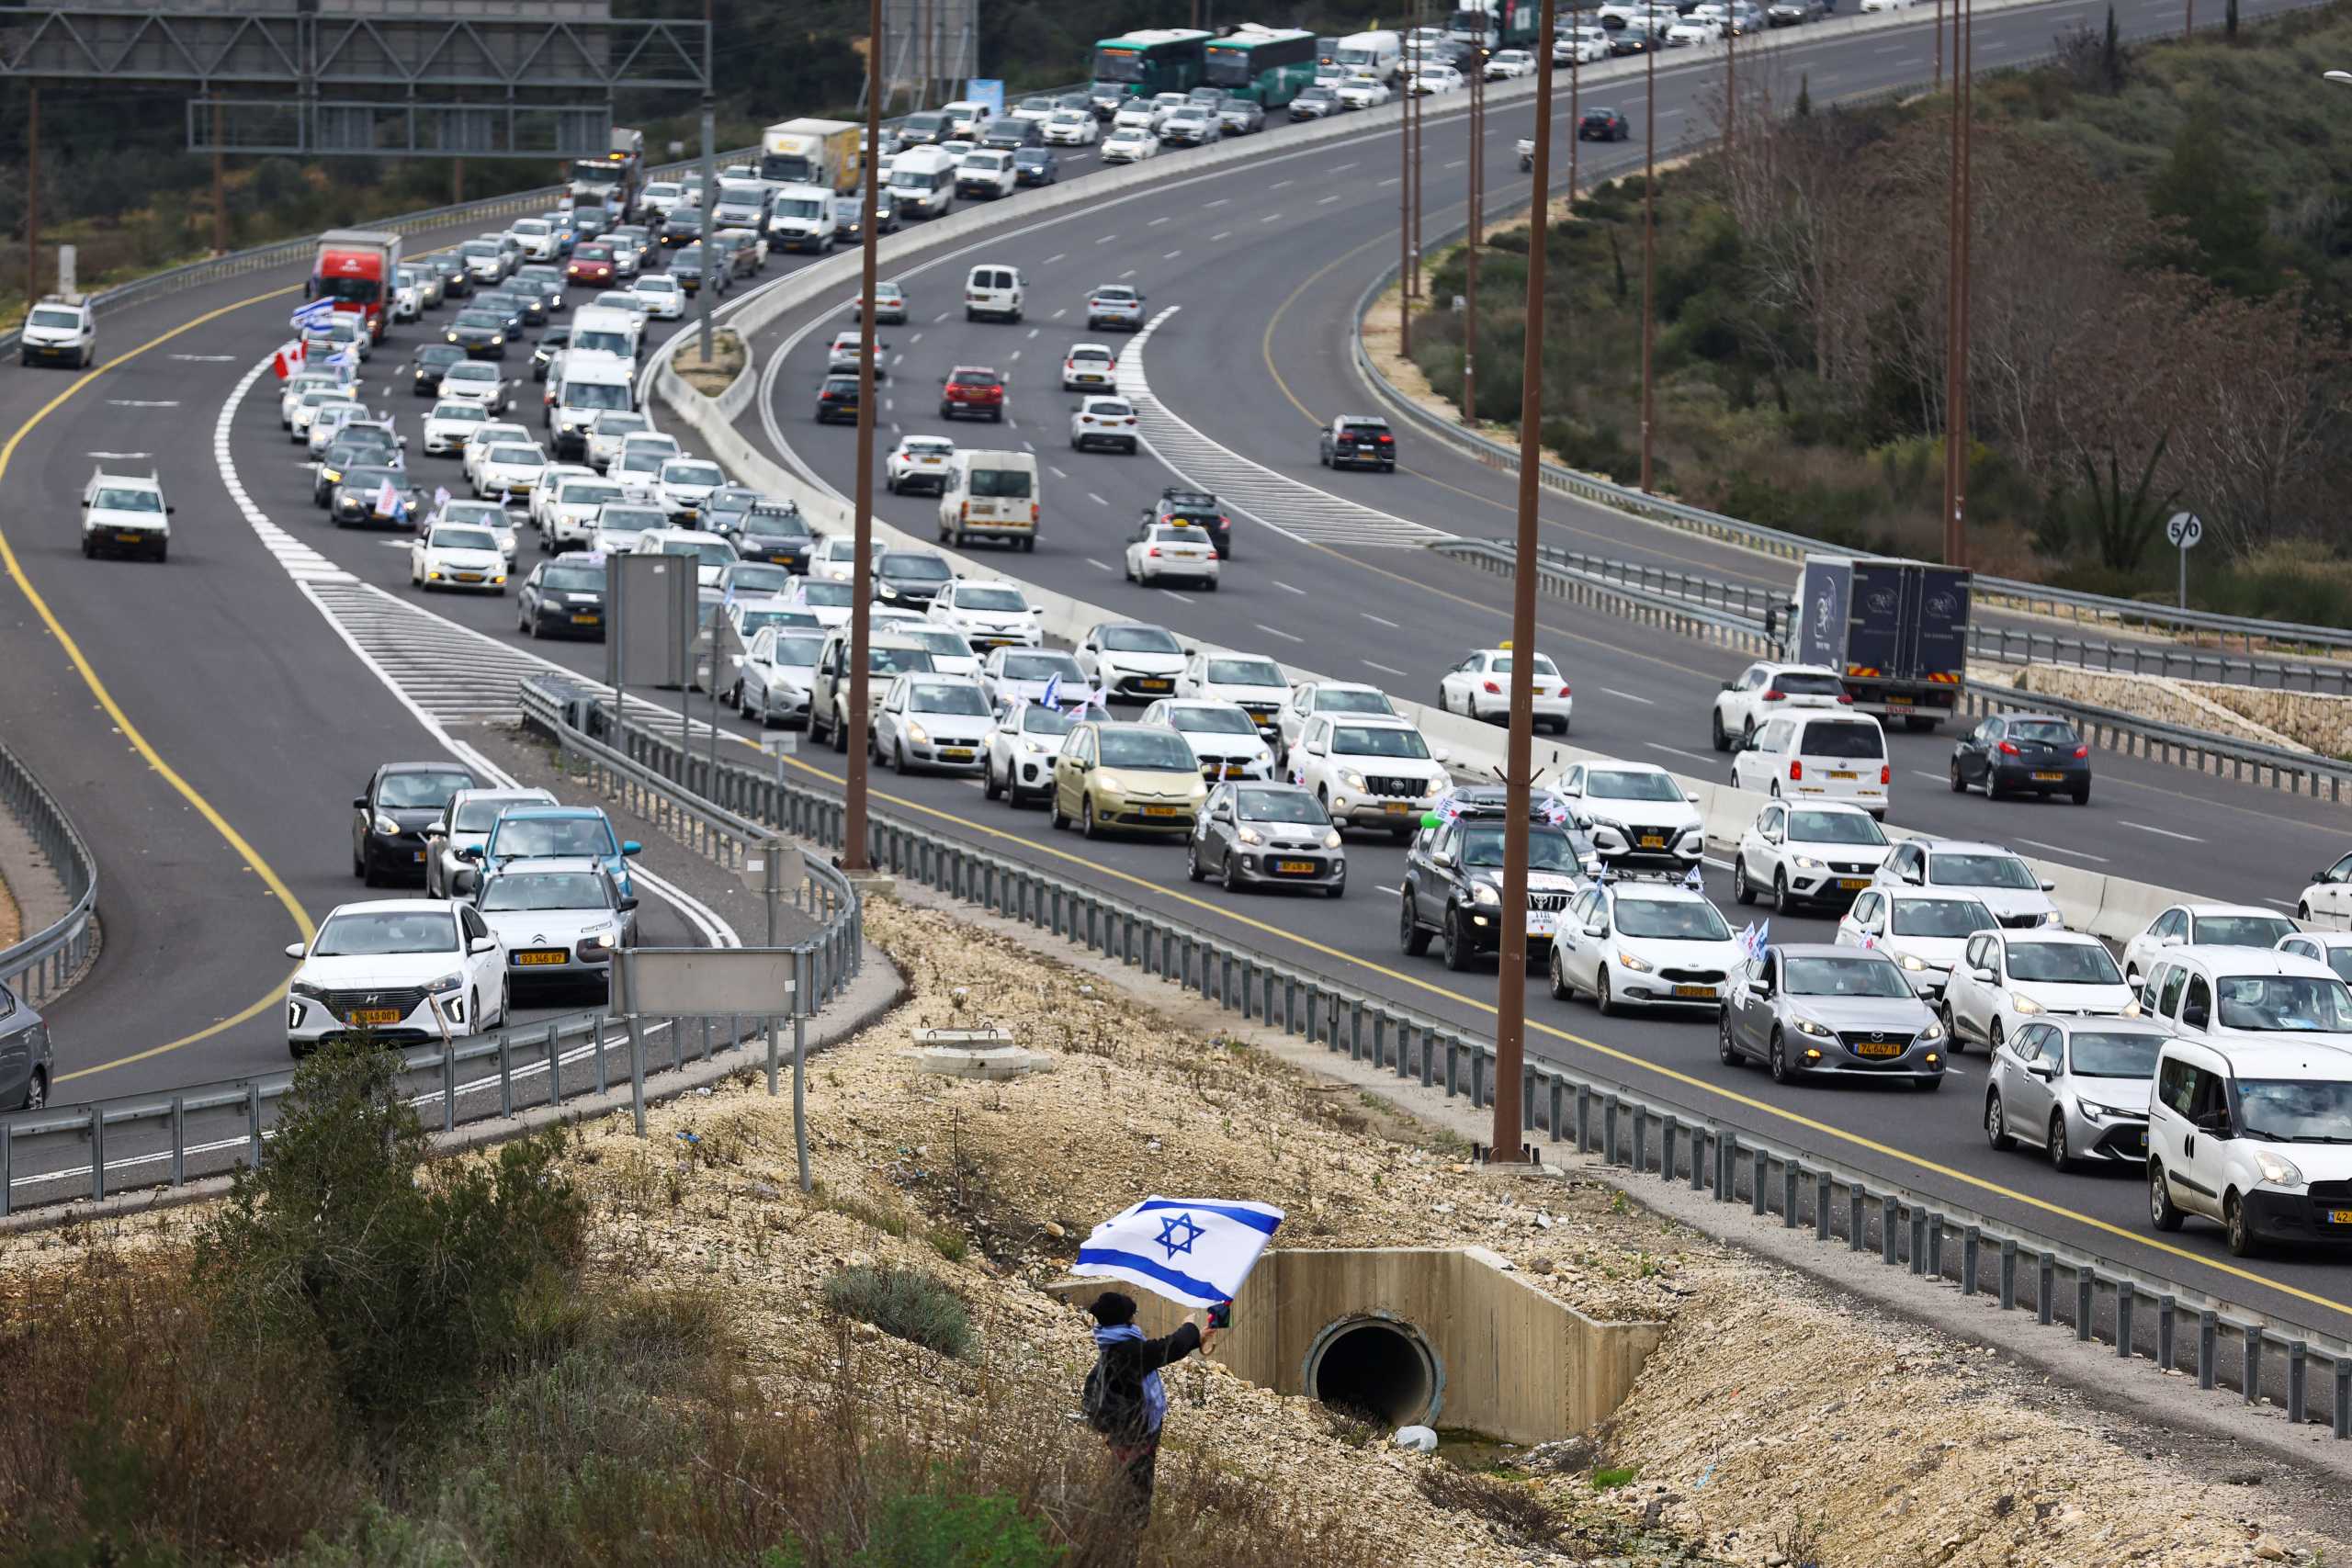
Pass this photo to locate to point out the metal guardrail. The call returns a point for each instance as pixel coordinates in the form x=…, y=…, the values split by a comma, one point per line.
x=1721, y=613
x=41, y=965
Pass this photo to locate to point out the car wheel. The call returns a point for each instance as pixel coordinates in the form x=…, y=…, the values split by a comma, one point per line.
x=1457, y=946
x=1410, y=936
x=1742, y=889
x=1951, y=1027
x=1715, y=732
x=1995, y=1041
x=1778, y=1059
x=1996, y=1127
x=1724, y=1046
x=1054, y=807
x=2060, y=1156
x=1958, y=783
x=841, y=735
x=1601, y=997
x=36, y=1091
x=2083, y=795
x=1231, y=873
x=2162, y=1211
x=988, y=787
x=1193, y=871
x=1780, y=893
x=1561, y=990
x=898, y=757
x=2237, y=1231
x=1086, y=818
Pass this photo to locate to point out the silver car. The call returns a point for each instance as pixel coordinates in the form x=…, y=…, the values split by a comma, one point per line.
x=2076, y=1087
x=1810, y=1009
x=1259, y=835
x=465, y=824
x=1114, y=305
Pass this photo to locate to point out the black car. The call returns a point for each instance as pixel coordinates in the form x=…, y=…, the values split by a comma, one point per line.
x=358, y=499
x=425, y=371
x=1624, y=40
x=2023, y=754
x=682, y=227
x=343, y=456
x=1603, y=125
x=482, y=333
x=547, y=281
x=1196, y=508
x=849, y=216
x=837, y=400
x=772, y=531
x=728, y=503
x=1450, y=862
x=923, y=128
x=523, y=308
x=688, y=267
x=451, y=266
x=388, y=821
x=551, y=343
x=1009, y=134
x=1259, y=835
x=909, y=580
x=1036, y=166
x=562, y=597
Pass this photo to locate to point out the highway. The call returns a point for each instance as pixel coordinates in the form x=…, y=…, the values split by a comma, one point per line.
x=208, y=721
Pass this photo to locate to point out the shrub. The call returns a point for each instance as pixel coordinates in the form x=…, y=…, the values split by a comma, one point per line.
x=905, y=1304
x=1512, y=1507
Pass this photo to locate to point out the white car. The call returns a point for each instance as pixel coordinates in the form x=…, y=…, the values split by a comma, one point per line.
x=986, y=172
x=918, y=462
x=1105, y=422
x=446, y=427
x=622, y=300
x=537, y=236
x=1479, y=687
x=606, y=432
x=1923, y=931
x=1192, y=127
x=2326, y=900
x=2004, y=977
x=1580, y=46
x=1508, y=63
x=552, y=481
x=328, y=418
x=1166, y=104
x=1818, y=756
x=637, y=466
x=842, y=355
x=125, y=513
x=661, y=295
x=1019, y=764
x=1693, y=30
x=711, y=554
x=619, y=526
x=1643, y=944
x=1029, y=674
x=307, y=406
x=1989, y=874
x=1090, y=367
x=932, y=721
x=2331, y=948
x=1868, y=6
x=989, y=615
x=323, y=383
x=1177, y=550
x=408, y=971
x=508, y=472
x=1222, y=735
x=487, y=515
x=1337, y=699
x=1037, y=107
x=1136, y=113
x=345, y=336
x=778, y=673
x=1252, y=680
x=1804, y=852
x=2202, y=925
x=571, y=518
x=1636, y=813
x=1070, y=128
x=1369, y=772
x=478, y=442
x=1764, y=691
x=408, y=296
x=559, y=920
x=684, y=485
x=457, y=554
x=831, y=602
x=477, y=381
x=835, y=557
x=1363, y=92
x=1434, y=78
x=660, y=196
x=1129, y=144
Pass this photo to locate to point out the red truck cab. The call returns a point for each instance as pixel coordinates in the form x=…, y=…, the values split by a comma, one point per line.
x=355, y=270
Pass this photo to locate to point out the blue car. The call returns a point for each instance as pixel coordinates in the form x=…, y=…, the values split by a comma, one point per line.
x=564, y=833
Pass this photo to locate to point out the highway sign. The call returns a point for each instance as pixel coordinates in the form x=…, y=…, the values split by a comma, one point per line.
x=2183, y=530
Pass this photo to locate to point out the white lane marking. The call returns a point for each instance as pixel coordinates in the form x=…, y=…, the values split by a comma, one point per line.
x=941, y=317
x=1329, y=200
x=1156, y=222
x=1054, y=257
x=1220, y=235
x=1288, y=589
x=1015, y=354
x=1277, y=631
x=1391, y=891
x=1172, y=255
x=205, y=358
x=1055, y=472
x=1457, y=162
x=1391, y=180
x=1676, y=750
x=1099, y=566
x=916, y=339
x=1125, y=275
x=1031, y=445
x=1890, y=49
x=1035, y=331
x=1106, y=240
x=1180, y=598
x=1384, y=668
x=1380, y=620
x=123, y=456
x=1271, y=218
x=1096, y=499
x=2062, y=850
x=1341, y=168
x=2165, y=833
x=1060, y=313
x=1613, y=691
x=2283, y=902
x=1923, y=773
x=897, y=359
x=1279, y=184
x=1220, y=201
x=142, y=402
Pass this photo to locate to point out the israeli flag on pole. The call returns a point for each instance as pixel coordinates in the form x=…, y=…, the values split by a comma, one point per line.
x=1195, y=1251
x=1053, y=689
x=440, y=499
x=317, y=313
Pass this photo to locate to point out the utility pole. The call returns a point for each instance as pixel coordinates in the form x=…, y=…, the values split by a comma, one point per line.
x=1575, y=112
x=1421, y=128
x=1958, y=224
x=1649, y=235
x=1510, y=979
x=220, y=184
x=1731, y=87
x=1939, y=45
x=861, y=617
x=32, y=192
x=707, y=294
x=1470, y=244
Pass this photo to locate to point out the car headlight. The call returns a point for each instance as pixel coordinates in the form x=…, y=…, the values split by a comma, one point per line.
x=496, y=339
x=1639, y=965
x=884, y=591
x=2277, y=1171
x=2053, y=919
x=304, y=988
x=2023, y=1003
x=1910, y=962
x=1933, y=1032
x=1818, y=1030
x=1249, y=835
x=2092, y=1113
x=2131, y=1010
x=1806, y=863
x=1331, y=840
x=919, y=735
x=383, y=824
x=1484, y=893
x=445, y=983
x=1351, y=778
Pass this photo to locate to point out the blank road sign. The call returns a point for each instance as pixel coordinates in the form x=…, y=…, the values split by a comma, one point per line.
x=706, y=982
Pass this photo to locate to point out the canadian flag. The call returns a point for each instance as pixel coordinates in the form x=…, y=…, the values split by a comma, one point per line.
x=289, y=360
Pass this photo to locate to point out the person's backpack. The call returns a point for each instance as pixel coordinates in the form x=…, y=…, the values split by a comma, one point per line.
x=1111, y=1409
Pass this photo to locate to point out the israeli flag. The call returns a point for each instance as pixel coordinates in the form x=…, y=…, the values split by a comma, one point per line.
x=317, y=313
x=1195, y=1251
x=1753, y=938
x=388, y=501
x=346, y=358
x=440, y=499
x=1693, y=881
x=1053, y=689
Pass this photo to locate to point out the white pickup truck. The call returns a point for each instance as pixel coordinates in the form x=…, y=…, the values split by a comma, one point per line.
x=125, y=515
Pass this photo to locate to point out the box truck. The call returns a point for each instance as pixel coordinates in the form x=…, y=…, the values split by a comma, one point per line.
x=355, y=269
x=1896, y=631
x=812, y=153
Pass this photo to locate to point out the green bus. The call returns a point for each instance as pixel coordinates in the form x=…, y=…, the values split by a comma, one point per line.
x=1159, y=60
x=1262, y=64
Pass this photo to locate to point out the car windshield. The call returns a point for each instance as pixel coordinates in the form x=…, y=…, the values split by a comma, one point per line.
x=2097, y=1054
x=709, y=552
x=1671, y=920
x=64, y=319
x=481, y=321
x=619, y=424
x=2242, y=931
x=899, y=661
x=587, y=492
x=1845, y=978
x=1279, y=806
x=1003, y=484
x=1244, y=672
x=993, y=599
x=942, y=696
x=484, y=513
x=111, y=499
x=517, y=457
x=471, y=370
x=1548, y=848
x=2062, y=963
x=800, y=651
x=752, y=621
x=2283, y=1003
x=692, y=474
x=1112, y=294
x=2296, y=1110
x=976, y=379
x=1941, y=916
x=575, y=579
x=831, y=595
x=919, y=568
x=1609, y=784
x=475, y=816
x=1210, y=721
x=628, y=519
x=1329, y=701
x=464, y=539
x=403, y=792
x=536, y=837
x=656, y=284
x=2043, y=732
x=595, y=394
x=378, y=931
x=1139, y=639
x=546, y=890
x=1834, y=828
x=1968, y=870
x=1157, y=749
x=759, y=579
x=1069, y=116
x=1379, y=740
x=1843, y=737
x=939, y=639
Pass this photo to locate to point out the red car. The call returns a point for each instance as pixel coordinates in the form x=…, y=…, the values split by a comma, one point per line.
x=591, y=264
x=972, y=390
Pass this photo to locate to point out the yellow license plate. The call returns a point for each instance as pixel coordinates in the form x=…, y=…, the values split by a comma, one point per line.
x=1297, y=867
x=373, y=1015
x=470, y=577
x=585, y=620
x=1852, y=884
x=1879, y=1048
x=1652, y=841
x=544, y=955
x=1694, y=990
x=1898, y=701
x=1396, y=807
x=1164, y=811
x=1842, y=774
x=1154, y=684
x=2339, y=1216
x=956, y=753
x=2050, y=778
x=130, y=538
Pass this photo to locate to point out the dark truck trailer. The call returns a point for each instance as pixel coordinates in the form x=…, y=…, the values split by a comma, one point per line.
x=1896, y=631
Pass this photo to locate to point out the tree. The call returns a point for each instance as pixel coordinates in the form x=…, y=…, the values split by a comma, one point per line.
x=2121, y=522
x=2224, y=216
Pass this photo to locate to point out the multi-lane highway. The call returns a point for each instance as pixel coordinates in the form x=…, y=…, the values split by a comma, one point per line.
x=208, y=721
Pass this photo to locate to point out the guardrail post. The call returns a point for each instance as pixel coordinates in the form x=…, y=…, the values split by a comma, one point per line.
x=2209, y=1349
x=505, y=1078
x=596, y=1023
x=1641, y=1160
x=2343, y=1422
x=1479, y=1064
x=1727, y=1166
x=2045, y=1288
x=2008, y=1273
x=252, y=1126
x=1666, y=1127
x=1609, y=1130
x=1935, y=1245
x=2251, y=1368
x=2167, y=1312
x=2127, y=1296
x=1702, y=1139
x=555, y=1068
x=1555, y=1107
x=1890, y=1226
x=2085, y=1293
x=1972, y=1243
x=2298, y=1355
x=637, y=1071
x=1789, y=1175
x=180, y=1140
x=1760, y=1179
x=1856, y=1206
x=1823, y=1189
x=98, y=1152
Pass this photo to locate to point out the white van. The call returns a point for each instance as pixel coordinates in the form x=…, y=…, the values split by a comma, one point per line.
x=1380, y=54
x=801, y=218
x=990, y=495
x=605, y=329
x=583, y=384
x=992, y=288
x=922, y=183
x=2251, y=1135
x=1824, y=754
x=2229, y=996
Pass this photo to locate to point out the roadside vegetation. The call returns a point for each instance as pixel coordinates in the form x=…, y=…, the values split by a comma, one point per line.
x=2163, y=264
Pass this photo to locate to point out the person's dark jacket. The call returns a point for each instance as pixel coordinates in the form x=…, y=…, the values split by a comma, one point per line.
x=1126, y=1363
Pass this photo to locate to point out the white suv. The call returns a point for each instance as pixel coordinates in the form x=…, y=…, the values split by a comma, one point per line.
x=1360, y=766
x=1764, y=691
x=1810, y=853
x=59, y=331
x=1635, y=812
x=124, y=515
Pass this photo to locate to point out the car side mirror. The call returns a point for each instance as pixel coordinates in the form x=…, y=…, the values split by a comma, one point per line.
x=359, y=803
x=1692, y=798
x=482, y=944
x=1984, y=975
x=630, y=847
x=2195, y=1017
x=436, y=830
x=626, y=904
x=2048, y=885
x=174, y=511
x=2041, y=1069
x=470, y=852
x=296, y=950
x=1760, y=987
x=2215, y=1124
x=1596, y=930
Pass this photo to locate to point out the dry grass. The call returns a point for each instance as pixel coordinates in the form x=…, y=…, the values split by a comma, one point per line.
x=713, y=376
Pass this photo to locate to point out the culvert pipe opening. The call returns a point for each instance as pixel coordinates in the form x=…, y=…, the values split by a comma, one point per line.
x=1382, y=1367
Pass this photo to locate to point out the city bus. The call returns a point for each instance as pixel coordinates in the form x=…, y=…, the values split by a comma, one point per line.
x=1159, y=60
x=1262, y=64
x=1499, y=24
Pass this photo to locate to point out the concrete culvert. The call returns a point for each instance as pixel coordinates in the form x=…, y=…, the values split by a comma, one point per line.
x=1378, y=1365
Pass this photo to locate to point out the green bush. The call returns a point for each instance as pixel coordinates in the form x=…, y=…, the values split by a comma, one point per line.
x=905, y=1304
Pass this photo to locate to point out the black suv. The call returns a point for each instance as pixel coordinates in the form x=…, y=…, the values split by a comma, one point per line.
x=1197, y=507
x=1454, y=879
x=772, y=531
x=1357, y=441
